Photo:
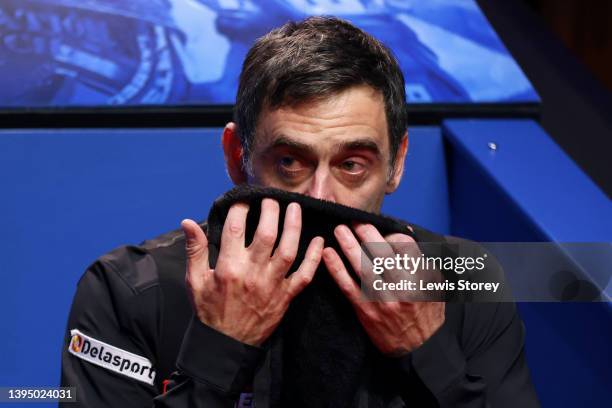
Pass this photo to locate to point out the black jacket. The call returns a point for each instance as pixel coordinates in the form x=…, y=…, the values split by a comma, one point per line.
x=133, y=298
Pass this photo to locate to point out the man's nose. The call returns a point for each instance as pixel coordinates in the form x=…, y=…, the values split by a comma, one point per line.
x=321, y=186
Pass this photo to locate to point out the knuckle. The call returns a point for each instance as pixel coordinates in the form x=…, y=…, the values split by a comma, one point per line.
x=235, y=229
x=298, y=285
x=266, y=237
x=305, y=280
x=286, y=257
x=350, y=244
x=230, y=275
x=374, y=317
x=231, y=279
x=346, y=288
x=192, y=249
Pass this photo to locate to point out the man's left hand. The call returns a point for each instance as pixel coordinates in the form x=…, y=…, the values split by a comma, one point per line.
x=396, y=328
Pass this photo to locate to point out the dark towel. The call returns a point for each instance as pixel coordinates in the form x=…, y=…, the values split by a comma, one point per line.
x=326, y=354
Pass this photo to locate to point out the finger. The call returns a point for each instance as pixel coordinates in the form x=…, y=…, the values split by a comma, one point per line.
x=285, y=254
x=352, y=250
x=196, y=248
x=232, y=237
x=387, y=247
x=374, y=242
x=402, y=243
x=304, y=274
x=337, y=270
x=260, y=249
x=406, y=245
x=196, y=244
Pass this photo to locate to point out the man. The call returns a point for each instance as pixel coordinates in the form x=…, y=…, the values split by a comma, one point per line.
x=320, y=111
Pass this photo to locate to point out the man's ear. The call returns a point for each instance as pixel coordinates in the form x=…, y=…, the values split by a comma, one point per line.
x=398, y=169
x=232, y=150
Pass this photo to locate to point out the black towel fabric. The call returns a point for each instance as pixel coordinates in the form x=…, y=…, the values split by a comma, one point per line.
x=321, y=352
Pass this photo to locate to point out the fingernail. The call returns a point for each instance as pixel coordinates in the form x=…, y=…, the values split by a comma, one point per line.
x=293, y=210
x=267, y=201
x=343, y=231
x=189, y=235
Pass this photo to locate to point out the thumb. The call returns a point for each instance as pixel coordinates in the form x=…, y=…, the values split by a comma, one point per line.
x=196, y=244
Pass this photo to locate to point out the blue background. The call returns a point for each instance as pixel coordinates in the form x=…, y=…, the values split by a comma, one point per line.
x=172, y=52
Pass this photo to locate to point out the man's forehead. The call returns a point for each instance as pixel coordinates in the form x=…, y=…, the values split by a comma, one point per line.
x=341, y=100
x=355, y=114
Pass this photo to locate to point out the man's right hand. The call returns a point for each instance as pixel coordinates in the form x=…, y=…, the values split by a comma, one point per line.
x=247, y=293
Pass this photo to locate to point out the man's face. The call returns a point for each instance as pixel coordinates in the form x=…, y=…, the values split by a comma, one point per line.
x=336, y=149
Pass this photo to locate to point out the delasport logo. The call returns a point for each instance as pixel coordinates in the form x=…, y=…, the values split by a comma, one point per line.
x=111, y=357
x=76, y=343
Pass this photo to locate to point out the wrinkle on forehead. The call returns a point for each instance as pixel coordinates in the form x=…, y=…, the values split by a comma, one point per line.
x=356, y=112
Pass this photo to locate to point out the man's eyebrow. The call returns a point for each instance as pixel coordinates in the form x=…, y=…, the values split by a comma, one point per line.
x=360, y=144
x=284, y=141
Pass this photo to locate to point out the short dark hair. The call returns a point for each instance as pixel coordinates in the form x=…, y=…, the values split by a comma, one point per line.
x=313, y=59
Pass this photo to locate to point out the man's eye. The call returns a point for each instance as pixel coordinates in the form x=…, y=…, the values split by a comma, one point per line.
x=290, y=167
x=287, y=162
x=352, y=166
